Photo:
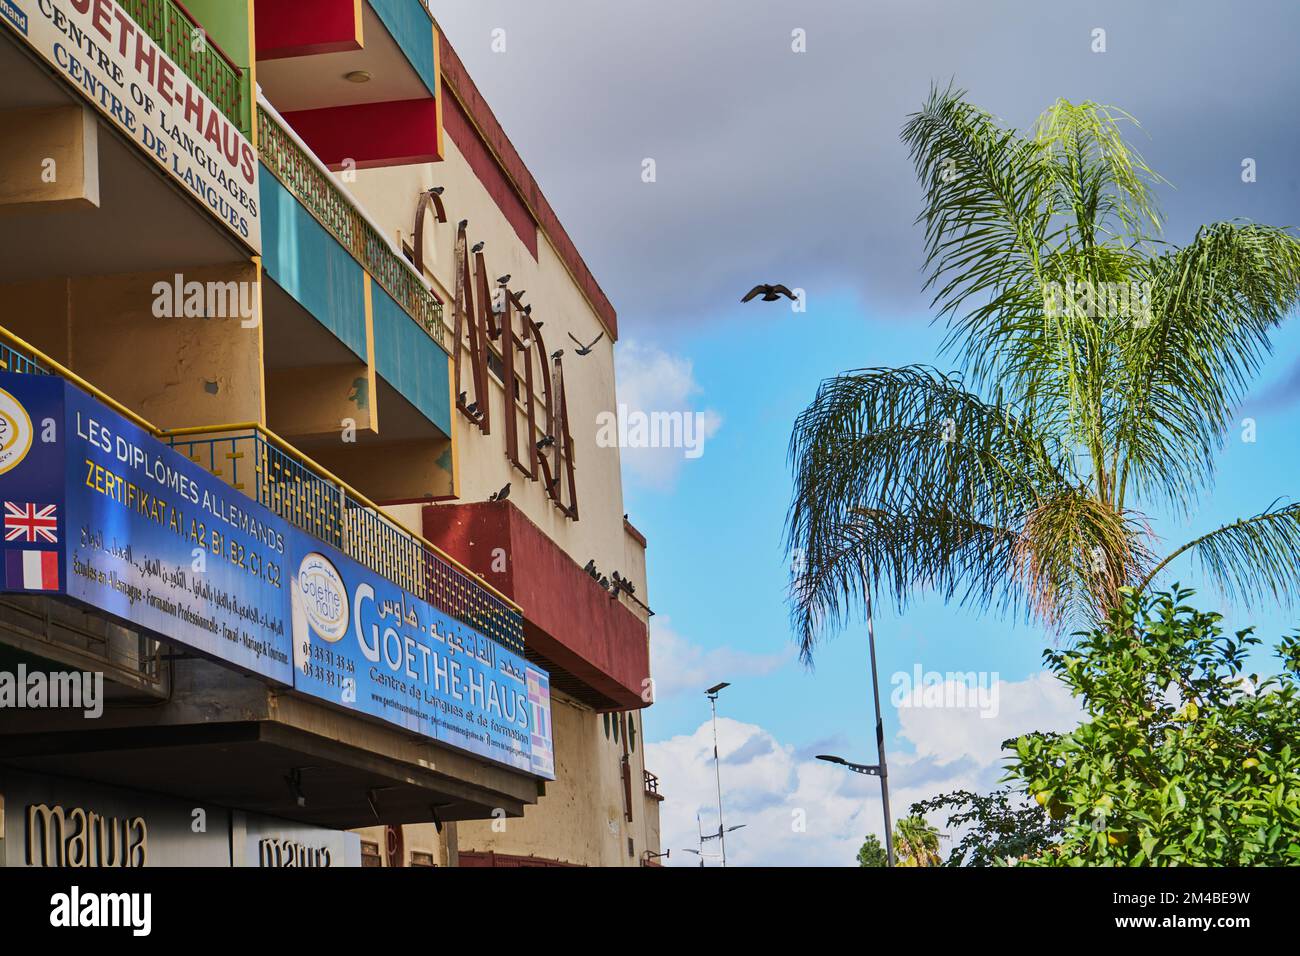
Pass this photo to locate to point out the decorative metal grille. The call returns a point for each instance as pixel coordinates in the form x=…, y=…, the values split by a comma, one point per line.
x=176, y=32
x=13, y=361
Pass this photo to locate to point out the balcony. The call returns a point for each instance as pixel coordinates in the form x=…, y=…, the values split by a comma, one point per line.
x=296, y=168
x=652, y=786
x=352, y=332
x=222, y=735
x=259, y=463
x=356, y=80
x=82, y=157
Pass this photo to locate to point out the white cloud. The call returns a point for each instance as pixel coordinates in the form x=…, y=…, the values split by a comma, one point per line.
x=945, y=734
x=680, y=666
x=652, y=381
x=799, y=811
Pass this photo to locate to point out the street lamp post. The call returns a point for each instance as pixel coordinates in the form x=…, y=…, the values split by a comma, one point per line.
x=880, y=735
x=881, y=769
x=712, y=693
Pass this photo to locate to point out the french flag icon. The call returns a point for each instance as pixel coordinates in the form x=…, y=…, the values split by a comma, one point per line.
x=32, y=570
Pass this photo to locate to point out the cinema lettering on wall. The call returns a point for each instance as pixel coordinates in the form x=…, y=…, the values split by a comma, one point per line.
x=126, y=76
x=481, y=317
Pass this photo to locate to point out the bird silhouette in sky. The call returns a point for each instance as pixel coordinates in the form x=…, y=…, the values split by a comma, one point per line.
x=770, y=293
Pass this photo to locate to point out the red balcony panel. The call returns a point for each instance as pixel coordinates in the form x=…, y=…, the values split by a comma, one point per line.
x=595, y=647
x=371, y=134
x=288, y=28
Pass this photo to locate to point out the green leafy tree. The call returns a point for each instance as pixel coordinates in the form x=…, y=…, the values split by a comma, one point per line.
x=997, y=827
x=1180, y=761
x=1097, y=373
x=872, y=852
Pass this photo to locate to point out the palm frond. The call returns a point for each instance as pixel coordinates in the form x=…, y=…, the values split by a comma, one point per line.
x=1074, y=555
x=903, y=474
x=901, y=554
x=1100, y=178
x=984, y=227
x=1252, y=560
x=1010, y=222
x=1184, y=372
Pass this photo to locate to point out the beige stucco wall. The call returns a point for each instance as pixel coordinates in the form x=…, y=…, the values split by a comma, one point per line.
x=195, y=371
x=49, y=158
x=418, y=838
x=581, y=819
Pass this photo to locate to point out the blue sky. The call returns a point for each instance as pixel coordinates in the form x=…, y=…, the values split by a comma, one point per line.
x=717, y=567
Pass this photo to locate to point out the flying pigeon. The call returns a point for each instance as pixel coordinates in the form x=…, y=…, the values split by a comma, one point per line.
x=586, y=349
x=770, y=293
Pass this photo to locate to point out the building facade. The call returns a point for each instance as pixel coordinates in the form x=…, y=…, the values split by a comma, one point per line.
x=300, y=378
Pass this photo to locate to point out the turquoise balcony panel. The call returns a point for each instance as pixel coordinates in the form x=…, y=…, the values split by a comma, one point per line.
x=321, y=275
x=410, y=361
x=410, y=26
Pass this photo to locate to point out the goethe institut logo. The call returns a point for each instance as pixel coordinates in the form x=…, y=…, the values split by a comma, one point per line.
x=320, y=600
x=15, y=432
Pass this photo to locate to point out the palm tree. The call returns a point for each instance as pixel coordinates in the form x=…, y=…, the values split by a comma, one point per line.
x=917, y=842
x=1098, y=372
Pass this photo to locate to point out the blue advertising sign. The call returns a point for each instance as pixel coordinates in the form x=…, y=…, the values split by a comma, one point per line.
x=364, y=643
x=97, y=509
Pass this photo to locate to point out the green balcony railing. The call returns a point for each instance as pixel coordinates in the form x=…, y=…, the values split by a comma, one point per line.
x=185, y=41
x=311, y=184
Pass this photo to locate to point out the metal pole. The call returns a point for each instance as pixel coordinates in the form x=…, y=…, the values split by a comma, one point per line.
x=880, y=738
x=717, y=767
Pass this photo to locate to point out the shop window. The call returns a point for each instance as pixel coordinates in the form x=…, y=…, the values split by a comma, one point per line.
x=370, y=854
x=419, y=858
